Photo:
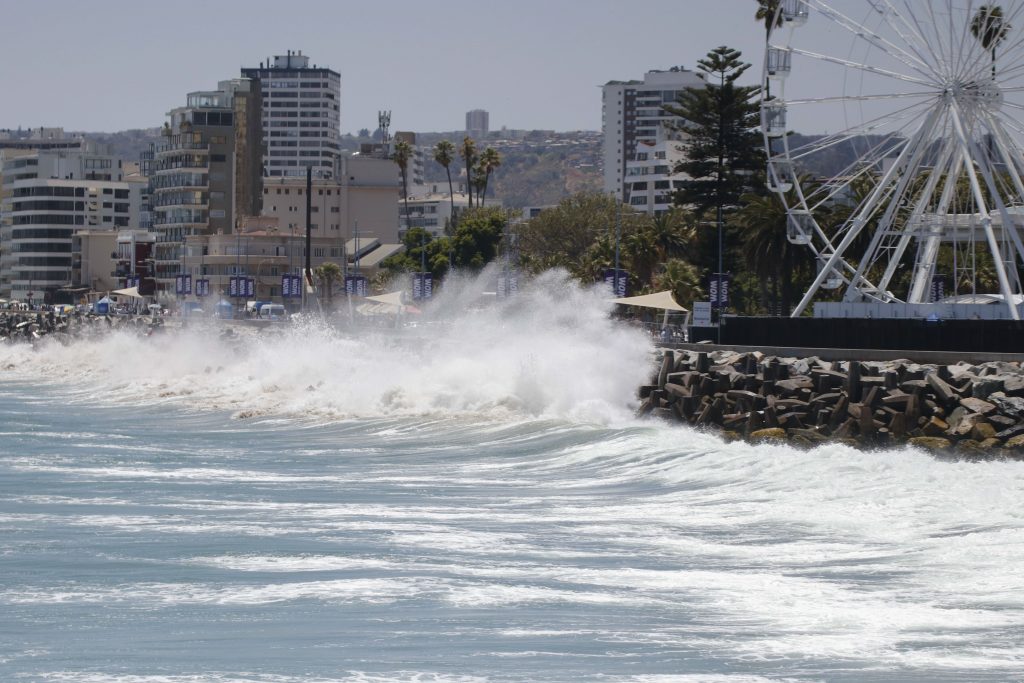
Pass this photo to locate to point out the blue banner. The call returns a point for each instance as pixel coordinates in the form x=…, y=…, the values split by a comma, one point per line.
x=422, y=286
x=202, y=287
x=356, y=285
x=291, y=286
x=713, y=281
x=183, y=285
x=619, y=285
x=508, y=284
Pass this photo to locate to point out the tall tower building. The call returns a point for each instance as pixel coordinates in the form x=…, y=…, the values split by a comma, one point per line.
x=206, y=175
x=631, y=113
x=477, y=124
x=301, y=115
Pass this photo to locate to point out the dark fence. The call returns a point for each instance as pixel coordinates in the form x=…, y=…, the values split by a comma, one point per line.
x=995, y=336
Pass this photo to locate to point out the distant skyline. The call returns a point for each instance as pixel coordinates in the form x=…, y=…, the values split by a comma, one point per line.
x=116, y=65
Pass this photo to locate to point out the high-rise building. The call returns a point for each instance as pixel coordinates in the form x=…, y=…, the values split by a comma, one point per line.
x=631, y=113
x=48, y=196
x=301, y=115
x=477, y=124
x=206, y=175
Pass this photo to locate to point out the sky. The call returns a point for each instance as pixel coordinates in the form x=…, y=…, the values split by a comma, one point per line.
x=112, y=65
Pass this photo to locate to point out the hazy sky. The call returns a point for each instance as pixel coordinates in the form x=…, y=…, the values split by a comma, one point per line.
x=111, y=65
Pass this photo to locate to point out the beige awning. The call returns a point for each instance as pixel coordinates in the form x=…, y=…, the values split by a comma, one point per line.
x=662, y=300
x=132, y=292
x=391, y=298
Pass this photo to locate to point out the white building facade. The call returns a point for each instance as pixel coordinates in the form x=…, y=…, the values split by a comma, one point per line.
x=301, y=115
x=632, y=114
x=48, y=196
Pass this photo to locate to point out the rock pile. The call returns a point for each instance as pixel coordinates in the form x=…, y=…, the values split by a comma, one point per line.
x=971, y=409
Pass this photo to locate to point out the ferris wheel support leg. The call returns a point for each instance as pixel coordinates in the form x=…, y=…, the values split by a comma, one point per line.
x=867, y=208
x=918, y=145
x=925, y=262
x=1003, y=145
x=986, y=217
x=928, y=256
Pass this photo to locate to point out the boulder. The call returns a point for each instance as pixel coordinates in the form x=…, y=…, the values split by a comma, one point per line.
x=976, y=405
x=771, y=434
x=982, y=431
x=935, y=444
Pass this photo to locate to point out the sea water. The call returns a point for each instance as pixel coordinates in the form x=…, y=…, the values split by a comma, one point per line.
x=470, y=501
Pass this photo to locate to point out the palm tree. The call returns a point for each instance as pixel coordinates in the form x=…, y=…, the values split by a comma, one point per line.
x=402, y=155
x=444, y=154
x=766, y=248
x=490, y=160
x=327, y=274
x=682, y=278
x=468, y=153
x=989, y=27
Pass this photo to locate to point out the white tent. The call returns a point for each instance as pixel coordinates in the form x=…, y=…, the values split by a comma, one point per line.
x=391, y=298
x=131, y=292
x=662, y=300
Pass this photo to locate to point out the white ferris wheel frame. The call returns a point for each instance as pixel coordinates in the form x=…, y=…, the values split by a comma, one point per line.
x=950, y=126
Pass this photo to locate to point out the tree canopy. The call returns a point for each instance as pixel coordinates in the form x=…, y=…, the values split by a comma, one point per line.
x=724, y=159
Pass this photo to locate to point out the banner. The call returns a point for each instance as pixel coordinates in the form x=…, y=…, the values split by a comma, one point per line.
x=938, y=290
x=508, y=284
x=241, y=286
x=356, y=285
x=422, y=286
x=183, y=285
x=132, y=281
x=291, y=286
x=713, y=281
x=619, y=285
x=202, y=287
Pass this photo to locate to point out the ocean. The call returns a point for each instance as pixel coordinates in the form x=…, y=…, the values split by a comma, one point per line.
x=471, y=501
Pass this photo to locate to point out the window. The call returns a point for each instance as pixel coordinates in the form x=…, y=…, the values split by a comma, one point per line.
x=314, y=209
x=218, y=158
x=638, y=201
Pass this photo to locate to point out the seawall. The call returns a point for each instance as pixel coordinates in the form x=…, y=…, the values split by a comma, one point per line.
x=972, y=409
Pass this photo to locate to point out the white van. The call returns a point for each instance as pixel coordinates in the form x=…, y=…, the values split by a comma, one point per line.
x=273, y=312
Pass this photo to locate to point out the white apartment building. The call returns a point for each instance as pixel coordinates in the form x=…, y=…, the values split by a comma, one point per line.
x=430, y=207
x=301, y=115
x=631, y=113
x=649, y=181
x=46, y=197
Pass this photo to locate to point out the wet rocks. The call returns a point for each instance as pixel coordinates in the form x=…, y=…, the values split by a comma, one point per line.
x=973, y=410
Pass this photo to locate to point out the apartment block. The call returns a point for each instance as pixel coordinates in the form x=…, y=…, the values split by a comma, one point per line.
x=207, y=174
x=301, y=114
x=632, y=114
x=49, y=195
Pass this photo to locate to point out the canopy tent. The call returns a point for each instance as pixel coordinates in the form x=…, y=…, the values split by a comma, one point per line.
x=131, y=292
x=391, y=298
x=662, y=300
x=383, y=304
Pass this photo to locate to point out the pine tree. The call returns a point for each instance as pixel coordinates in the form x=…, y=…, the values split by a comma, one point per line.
x=724, y=151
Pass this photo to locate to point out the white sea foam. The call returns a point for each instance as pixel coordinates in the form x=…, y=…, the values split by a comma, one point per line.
x=551, y=352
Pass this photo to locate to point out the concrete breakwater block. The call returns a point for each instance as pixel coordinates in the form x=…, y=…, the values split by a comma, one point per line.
x=974, y=411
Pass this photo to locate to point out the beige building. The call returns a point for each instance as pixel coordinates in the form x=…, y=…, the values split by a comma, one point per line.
x=362, y=198
x=93, y=261
x=264, y=251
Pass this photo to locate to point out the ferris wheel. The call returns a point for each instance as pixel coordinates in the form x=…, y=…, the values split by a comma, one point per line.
x=916, y=174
